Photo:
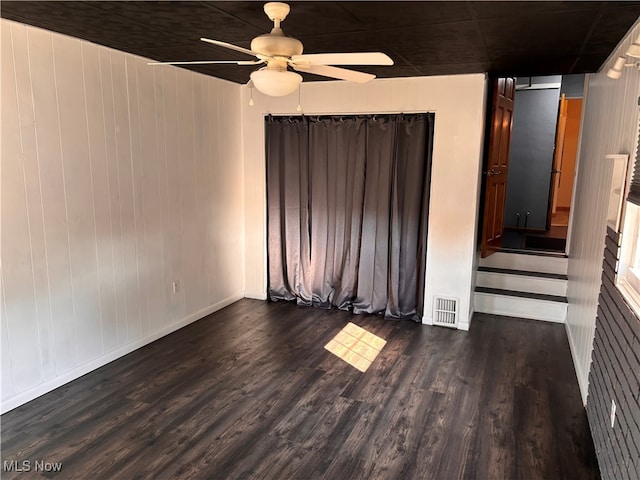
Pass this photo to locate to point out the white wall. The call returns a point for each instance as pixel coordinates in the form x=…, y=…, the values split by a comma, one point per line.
x=609, y=126
x=117, y=179
x=458, y=103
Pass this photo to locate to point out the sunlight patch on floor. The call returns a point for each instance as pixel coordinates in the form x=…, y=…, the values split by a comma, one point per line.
x=356, y=346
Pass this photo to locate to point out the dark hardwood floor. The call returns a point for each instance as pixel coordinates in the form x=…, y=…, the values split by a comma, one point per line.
x=250, y=393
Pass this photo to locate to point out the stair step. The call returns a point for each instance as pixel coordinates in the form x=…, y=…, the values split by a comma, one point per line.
x=540, y=253
x=515, y=293
x=553, y=264
x=526, y=273
x=522, y=281
x=496, y=301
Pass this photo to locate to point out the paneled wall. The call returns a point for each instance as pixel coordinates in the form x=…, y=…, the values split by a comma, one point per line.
x=615, y=376
x=118, y=179
x=609, y=126
x=459, y=105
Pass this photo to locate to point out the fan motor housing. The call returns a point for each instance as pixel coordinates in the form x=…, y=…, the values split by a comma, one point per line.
x=276, y=45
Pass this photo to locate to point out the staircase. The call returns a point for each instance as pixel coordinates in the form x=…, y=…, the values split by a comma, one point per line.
x=523, y=285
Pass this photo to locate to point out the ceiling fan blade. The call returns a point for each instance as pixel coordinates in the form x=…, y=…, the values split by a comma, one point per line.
x=210, y=62
x=362, y=58
x=335, y=72
x=229, y=45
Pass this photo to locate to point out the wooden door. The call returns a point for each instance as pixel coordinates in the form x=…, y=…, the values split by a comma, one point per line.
x=496, y=174
x=556, y=168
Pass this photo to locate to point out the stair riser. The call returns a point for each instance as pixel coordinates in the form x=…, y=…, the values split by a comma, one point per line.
x=531, y=263
x=522, y=283
x=520, y=307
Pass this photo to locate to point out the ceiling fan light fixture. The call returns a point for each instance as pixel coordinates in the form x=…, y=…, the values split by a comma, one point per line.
x=276, y=83
x=280, y=52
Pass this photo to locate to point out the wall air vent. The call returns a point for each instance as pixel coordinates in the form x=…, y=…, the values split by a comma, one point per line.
x=445, y=312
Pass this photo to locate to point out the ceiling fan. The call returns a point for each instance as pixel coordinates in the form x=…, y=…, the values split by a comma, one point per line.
x=279, y=52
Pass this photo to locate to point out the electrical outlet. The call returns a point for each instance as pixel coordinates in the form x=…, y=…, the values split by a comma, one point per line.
x=613, y=412
x=176, y=286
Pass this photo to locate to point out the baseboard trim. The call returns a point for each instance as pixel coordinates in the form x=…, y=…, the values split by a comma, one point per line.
x=256, y=295
x=583, y=382
x=427, y=320
x=461, y=325
x=66, y=377
x=466, y=325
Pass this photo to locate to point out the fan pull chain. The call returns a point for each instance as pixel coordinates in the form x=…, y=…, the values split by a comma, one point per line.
x=299, y=108
x=251, y=103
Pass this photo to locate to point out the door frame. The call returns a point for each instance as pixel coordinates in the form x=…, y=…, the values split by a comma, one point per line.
x=576, y=169
x=556, y=164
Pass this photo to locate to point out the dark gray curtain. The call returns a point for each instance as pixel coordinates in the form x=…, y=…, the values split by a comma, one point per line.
x=348, y=201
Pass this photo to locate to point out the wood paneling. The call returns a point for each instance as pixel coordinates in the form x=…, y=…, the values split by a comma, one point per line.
x=603, y=352
x=117, y=179
x=250, y=392
x=609, y=127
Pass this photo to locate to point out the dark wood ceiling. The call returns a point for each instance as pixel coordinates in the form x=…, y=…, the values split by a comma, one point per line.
x=423, y=38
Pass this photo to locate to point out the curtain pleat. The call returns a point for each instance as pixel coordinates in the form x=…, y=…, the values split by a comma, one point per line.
x=347, y=211
x=372, y=294
x=337, y=164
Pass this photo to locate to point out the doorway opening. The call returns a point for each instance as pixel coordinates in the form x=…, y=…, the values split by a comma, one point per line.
x=542, y=151
x=347, y=211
